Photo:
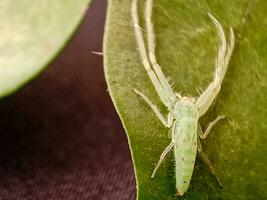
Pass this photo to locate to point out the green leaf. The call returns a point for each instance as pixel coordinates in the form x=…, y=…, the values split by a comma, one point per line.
x=31, y=34
x=186, y=48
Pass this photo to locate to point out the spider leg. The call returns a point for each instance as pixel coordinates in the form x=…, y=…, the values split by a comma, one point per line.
x=168, y=122
x=210, y=126
x=143, y=54
x=162, y=157
x=151, y=50
x=207, y=162
x=165, y=152
x=224, y=54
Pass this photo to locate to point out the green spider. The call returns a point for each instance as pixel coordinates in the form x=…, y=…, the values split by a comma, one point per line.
x=184, y=112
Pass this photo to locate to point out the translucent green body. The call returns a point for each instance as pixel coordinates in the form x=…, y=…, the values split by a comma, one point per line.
x=185, y=148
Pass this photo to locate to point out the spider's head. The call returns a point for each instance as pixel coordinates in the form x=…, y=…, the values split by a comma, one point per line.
x=188, y=100
x=186, y=107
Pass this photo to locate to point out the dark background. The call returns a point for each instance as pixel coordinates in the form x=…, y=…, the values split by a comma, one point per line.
x=60, y=135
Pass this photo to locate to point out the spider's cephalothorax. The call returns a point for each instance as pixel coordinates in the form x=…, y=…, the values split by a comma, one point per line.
x=184, y=112
x=185, y=107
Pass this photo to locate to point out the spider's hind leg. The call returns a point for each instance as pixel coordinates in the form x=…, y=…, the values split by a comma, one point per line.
x=162, y=157
x=208, y=162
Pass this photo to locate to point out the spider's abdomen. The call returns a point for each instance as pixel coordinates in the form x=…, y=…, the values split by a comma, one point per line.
x=185, y=152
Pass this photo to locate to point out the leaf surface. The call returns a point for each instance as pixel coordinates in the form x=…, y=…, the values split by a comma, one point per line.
x=186, y=50
x=31, y=34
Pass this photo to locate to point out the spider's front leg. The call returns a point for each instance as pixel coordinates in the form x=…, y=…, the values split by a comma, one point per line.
x=224, y=54
x=151, y=51
x=159, y=81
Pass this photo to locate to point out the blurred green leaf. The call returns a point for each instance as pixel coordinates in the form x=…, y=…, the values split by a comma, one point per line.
x=186, y=48
x=31, y=34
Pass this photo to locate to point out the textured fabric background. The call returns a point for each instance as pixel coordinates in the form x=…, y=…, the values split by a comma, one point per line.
x=60, y=135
